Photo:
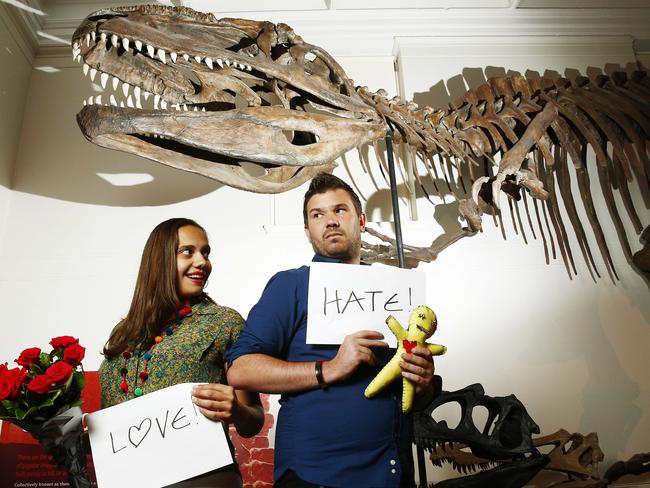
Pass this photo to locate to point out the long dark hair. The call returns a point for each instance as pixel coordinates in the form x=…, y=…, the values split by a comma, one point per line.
x=155, y=298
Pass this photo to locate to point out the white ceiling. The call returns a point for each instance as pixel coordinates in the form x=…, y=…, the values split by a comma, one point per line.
x=366, y=27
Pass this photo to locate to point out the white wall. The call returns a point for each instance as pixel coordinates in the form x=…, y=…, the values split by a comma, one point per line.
x=573, y=351
x=14, y=81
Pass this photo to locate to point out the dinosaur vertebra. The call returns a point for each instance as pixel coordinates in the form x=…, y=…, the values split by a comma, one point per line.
x=253, y=106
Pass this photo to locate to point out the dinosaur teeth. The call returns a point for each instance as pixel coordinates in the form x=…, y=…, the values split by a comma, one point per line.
x=228, y=62
x=137, y=103
x=151, y=51
x=136, y=92
x=103, y=78
x=163, y=104
x=87, y=39
x=197, y=58
x=113, y=101
x=85, y=69
x=98, y=100
x=249, y=67
x=161, y=55
x=102, y=37
x=208, y=61
x=90, y=100
x=93, y=36
x=129, y=102
x=114, y=40
x=138, y=45
x=116, y=82
x=146, y=95
x=173, y=55
x=93, y=73
x=219, y=62
x=75, y=46
x=125, y=43
x=156, y=100
x=125, y=89
x=186, y=57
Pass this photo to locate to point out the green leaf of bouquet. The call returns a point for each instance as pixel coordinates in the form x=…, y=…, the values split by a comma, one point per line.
x=46, y=360
x=7, y=408
x=35, y=369
x=21, y=413
x=79, y=380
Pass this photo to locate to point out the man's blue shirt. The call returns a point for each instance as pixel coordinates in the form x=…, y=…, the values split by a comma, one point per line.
x=334, y=436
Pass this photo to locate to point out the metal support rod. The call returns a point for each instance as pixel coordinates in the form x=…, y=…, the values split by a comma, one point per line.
x=393, y=195
x=422, y=469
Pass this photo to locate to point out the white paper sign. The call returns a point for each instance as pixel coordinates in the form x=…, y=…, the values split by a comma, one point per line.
x=344, y=299
x=155, y=440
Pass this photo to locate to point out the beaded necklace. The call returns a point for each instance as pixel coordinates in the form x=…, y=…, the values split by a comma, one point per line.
x=172, y=325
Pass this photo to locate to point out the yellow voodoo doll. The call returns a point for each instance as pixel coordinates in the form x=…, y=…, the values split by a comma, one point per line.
x=422, y=325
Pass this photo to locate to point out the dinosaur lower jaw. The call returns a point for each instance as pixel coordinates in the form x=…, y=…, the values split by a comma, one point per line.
x=226, y=172
x=254, y=149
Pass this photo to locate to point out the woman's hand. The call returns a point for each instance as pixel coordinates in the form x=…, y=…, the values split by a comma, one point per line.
x=224, y=403
x=216, y=402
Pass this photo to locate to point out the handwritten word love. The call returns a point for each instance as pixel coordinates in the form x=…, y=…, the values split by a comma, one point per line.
x=136, y=434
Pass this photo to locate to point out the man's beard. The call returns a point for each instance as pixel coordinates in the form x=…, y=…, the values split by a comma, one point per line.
x=344, y=254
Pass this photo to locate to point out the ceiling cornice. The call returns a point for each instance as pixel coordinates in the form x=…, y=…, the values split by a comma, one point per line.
x=24, y=26
x=346, y=31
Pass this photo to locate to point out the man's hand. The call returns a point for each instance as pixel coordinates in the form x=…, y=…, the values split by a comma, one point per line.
x=418, y=367
x=216, y=401
x=354, y=351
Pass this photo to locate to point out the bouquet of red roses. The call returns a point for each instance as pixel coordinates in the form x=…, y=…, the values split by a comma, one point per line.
x=44, y=384
x=43, y=395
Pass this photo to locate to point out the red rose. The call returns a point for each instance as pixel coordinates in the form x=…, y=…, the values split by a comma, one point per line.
x=10, y=382
x=63, y=341
x=41, y=383
x=59, y=372
x=74, y=354
x=29, y=356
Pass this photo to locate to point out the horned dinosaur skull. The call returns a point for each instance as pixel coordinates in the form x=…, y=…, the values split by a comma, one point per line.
x=252, y=105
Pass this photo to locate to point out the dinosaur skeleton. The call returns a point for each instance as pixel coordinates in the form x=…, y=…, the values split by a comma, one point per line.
x=252, y=105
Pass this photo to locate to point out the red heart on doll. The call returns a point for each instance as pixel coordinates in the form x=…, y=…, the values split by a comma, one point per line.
x=409, y=345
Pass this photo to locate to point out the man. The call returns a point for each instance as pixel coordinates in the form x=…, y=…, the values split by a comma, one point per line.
x=328, y=433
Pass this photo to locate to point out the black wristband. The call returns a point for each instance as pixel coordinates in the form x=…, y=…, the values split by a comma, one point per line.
x=319, y=375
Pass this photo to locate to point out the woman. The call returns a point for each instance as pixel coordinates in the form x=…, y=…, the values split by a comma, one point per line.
x=174, y=333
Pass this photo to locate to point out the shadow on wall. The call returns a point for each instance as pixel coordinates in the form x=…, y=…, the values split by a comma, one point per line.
x=444, y=92
x=55, y=160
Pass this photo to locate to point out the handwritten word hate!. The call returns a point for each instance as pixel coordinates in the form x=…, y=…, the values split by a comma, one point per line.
x=336, y=301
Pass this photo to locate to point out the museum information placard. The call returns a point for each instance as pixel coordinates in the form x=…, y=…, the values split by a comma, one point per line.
x=155, y=440
x=344, y=299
